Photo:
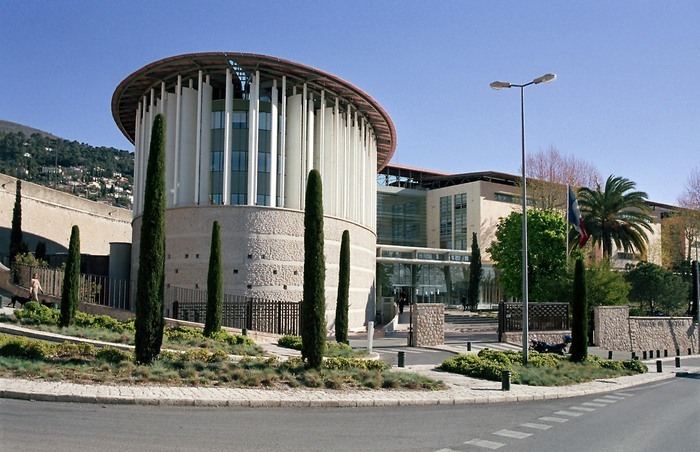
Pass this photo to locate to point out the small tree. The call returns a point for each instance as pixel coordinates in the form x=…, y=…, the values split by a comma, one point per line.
x=215, y=287
x=150, y=284
x=17, y=244
x=475, y=273
x=342, y=305
x=579, y=327
x=313, y=308
x=71, y=280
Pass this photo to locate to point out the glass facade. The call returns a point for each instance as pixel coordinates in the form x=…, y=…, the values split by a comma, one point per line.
x=240, y=154
x=446, y=222
x=453, y=222
x=401, y=217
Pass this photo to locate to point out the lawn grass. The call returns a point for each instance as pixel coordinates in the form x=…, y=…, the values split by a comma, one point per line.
x=187, y=359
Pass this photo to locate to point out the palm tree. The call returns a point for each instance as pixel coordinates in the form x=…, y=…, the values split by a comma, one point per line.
x=618, y=214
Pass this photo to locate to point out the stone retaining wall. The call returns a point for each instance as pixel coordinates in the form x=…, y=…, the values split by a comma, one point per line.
x=616, y=330
x=428, y=324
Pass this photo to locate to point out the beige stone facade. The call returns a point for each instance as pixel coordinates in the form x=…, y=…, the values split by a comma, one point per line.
x=263, y=254
x=48, y=215
x=616, y=330
x=428, y=324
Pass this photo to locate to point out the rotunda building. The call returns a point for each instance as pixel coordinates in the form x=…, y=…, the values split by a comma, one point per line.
x=242, y=133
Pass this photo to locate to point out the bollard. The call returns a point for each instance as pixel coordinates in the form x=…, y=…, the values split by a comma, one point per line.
x=644, y=354
x=469, y=346
x=505, y=380
x=678, y=361
x=659, y=366
x=244, y=332
x=665, y=353
x=370, y=336
x=402, y=359
x=610, y=354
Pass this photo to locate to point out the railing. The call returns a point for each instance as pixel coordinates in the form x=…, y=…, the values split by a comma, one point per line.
x=269, y=316
x=541, y=317
x=96, y=289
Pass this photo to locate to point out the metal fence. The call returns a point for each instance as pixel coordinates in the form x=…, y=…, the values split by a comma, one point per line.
x=541, y=317
x=96, y=289
x=269, y=316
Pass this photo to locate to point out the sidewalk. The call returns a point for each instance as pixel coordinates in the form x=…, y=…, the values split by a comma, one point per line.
x=461, y=390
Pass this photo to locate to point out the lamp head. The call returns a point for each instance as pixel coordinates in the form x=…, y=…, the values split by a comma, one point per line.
x=546, y=78
x=500, y=85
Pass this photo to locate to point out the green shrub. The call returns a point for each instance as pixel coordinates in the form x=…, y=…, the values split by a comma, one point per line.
x=85, y=320
x=113, y=355
x=290, y=341
x=36, y=314
x=183, y=333
x=70, y=350
x=487, y=365
x=20, y=347
x=354, y=363
x=635, y=366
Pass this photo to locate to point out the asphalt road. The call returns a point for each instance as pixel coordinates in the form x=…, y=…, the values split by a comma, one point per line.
x=663, y=416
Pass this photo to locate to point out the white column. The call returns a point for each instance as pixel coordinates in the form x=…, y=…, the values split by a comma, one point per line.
x=253, y=120
x=309, y=136
x=176, y=153
x=137, y=155
x=161, y=106
x=205, y=157
x=273, y=145
x=228, y=114
x=198, y=145
x=337, y=162
x=283, y=141
x=293, y=165
x=321, y=139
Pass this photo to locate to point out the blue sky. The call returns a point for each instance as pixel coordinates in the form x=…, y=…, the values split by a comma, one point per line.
x=625, y=99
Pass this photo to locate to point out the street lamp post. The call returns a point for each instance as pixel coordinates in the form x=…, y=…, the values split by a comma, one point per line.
x=500, y=85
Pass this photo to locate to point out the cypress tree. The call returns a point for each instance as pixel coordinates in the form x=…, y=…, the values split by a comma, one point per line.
x=475, y=272
x=215, y=287
x=313, y=308
x=579, y=328
x=150, y=284
x=16, y=239
x=71, y=280
x=342, y=304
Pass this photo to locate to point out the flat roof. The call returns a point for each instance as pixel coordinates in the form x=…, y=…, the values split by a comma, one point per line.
x=130, y=91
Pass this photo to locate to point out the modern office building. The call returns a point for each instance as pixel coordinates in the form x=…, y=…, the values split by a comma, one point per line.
x=242, y=133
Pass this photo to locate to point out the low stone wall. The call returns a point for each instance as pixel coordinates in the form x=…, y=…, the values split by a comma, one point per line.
x=516, y=337
x=428, y=324
x=616, y=330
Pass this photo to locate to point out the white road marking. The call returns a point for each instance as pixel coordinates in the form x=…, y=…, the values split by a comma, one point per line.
x=604, y=401
x=483, y=443
x=553, y=419
x=568, y=413
x=512, y=434
x=536, y=426
x=581, y=408
x=613, y=397
x=594, y=404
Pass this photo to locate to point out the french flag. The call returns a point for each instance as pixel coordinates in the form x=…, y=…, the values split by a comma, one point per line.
x=576, y=220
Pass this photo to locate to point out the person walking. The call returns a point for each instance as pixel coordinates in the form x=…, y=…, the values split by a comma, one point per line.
x=35, y=288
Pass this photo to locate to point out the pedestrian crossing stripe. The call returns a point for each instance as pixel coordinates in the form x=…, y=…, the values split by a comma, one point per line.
x=512, y=434
x=410, y=351
x=483, y=443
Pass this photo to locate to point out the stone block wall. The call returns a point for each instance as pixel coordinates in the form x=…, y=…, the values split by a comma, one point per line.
x=616, y=330
x=428, y=324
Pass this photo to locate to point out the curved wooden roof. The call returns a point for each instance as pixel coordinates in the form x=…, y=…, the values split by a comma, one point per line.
x=129, y=92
